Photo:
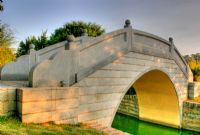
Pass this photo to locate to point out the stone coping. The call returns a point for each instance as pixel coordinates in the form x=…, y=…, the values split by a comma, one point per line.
x=13, y=84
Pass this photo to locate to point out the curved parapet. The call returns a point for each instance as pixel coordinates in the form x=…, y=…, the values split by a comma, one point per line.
x=153, y=45
x=49, y=51
x=96, y=53
x=17, y=70
x=56, y=71
x=92, y=54
x=82, y=58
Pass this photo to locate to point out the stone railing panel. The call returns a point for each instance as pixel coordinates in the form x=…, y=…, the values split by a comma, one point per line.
x=102, y=50
x=47, y=52
x=17, y=70
x=150, y=44
x=55, y=72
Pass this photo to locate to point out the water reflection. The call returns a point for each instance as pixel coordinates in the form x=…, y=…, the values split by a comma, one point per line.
x=137, y=127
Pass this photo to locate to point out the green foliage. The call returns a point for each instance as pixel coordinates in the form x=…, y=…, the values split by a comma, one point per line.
x=194, y=63
x=12, y=126
x=39, y=42
x=59, y=35
x=75, y=28
x=196, y=73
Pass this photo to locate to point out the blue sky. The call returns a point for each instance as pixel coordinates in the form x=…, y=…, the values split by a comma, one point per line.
x=177, y=18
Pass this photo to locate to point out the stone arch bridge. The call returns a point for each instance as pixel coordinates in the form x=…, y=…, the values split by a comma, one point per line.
x=84, y=79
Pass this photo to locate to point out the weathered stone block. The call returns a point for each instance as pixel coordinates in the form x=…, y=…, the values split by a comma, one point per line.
x=99, y=98
x=67, y=92
x=37, y=107
x=95, y=115
x=86, y=108
x=65, y=114
x=101, y=90
x=66, y=104
x=37, y=117
x=34, y=94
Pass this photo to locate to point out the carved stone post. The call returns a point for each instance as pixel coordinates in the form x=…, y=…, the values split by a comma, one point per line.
x=84, y=32
x=31, y=48
x=171, y=48
x=71, y=44
x=129, y=34
x=32, y=56
x=127, y=24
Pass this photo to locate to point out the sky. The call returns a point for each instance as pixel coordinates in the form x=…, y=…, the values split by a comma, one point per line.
x=179, y=19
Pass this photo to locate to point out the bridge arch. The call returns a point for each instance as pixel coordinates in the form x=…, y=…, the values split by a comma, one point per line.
x=158, y=98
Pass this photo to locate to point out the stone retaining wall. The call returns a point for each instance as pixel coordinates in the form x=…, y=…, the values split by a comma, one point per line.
x=193, y=90
x=42, y=105
x=129, y=106
x=68, y=105
x=191, y=116
x=7, y=101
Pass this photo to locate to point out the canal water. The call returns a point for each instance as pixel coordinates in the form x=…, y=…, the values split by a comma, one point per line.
x=136, y=127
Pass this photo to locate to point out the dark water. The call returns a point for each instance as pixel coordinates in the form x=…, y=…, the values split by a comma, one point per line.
x=134, y=126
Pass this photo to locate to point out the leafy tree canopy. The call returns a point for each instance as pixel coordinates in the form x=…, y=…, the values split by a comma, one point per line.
x=59, y=35
x=39, y=42
x=193, y=61
x=75, y=28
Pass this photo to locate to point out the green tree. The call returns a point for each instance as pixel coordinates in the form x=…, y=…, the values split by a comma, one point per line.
x=193, y=61
x=76, y=29
x=24, y=45
x=39, y=42
x=196, y=73
x=42, y=41
x=60, y=34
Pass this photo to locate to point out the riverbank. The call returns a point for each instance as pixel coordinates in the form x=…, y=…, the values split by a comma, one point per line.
x=13, y=126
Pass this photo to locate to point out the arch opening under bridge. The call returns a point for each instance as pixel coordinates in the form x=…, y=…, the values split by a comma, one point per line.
x=157, y=99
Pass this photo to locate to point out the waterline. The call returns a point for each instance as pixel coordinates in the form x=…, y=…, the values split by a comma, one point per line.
x=134, y=126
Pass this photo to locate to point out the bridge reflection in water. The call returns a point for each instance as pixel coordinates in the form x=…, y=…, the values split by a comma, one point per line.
x=134, y=126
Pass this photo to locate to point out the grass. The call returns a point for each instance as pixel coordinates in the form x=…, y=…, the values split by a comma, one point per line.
x=12, y=126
